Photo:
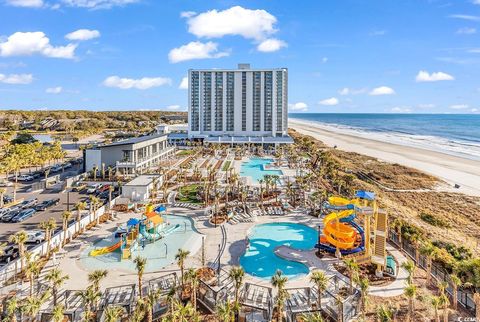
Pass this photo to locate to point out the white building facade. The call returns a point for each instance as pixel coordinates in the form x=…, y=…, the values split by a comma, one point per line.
x=238, y=105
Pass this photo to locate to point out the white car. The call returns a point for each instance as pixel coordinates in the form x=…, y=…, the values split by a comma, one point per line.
x=92, y=188
x=35, y=236
x=4, y=183
x=24, y=177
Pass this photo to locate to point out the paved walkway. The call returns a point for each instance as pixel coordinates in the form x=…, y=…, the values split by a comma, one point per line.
x=396, y=287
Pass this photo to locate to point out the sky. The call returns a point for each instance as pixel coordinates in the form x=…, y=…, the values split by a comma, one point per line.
x=343, y=56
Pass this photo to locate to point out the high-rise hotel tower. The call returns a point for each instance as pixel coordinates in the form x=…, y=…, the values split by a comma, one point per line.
x=238, y=105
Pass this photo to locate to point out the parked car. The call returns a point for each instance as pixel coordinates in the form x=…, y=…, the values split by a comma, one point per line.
x=79, y=186
x=35, y=236
x=56, y=168
x=37, y=174
x=103, y=188
x=103, y=195
x=92, y=188
x=67, y=165
x=10, y=252
x=7, y=199
x=47, y=204
x=10, y=215
x=24, y=178
x=29, y=203
x=4, y=211
x=23, y=215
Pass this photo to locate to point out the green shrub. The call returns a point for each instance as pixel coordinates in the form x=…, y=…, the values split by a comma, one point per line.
x=457, y=252
x=433, y=220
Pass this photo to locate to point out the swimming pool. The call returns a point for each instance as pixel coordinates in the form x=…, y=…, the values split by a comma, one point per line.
x=159, y=254
x=255, y=168
x=260, y=260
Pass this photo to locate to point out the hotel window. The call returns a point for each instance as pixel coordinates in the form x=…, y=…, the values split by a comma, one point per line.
x=244, y=101
x=219, y=101
x=195, y=101
x=267, y=89
x=230, y=101
x=207, y=101
x=257, y=89
x=279, y=101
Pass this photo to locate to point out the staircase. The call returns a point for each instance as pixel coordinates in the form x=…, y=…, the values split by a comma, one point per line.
x=380, y=241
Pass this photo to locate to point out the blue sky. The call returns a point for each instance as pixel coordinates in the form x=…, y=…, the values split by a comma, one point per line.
x=409, y=56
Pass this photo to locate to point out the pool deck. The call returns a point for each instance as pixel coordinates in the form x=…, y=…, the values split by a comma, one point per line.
x=237, y=165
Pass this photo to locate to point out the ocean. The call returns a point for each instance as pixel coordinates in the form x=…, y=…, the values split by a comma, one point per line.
x=457, y=134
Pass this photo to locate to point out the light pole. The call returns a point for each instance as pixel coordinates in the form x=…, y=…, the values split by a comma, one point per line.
x=218, y=267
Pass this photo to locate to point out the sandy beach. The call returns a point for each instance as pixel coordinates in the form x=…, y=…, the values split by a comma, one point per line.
x=451, y=169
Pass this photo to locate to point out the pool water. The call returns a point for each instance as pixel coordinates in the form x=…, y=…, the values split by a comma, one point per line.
x=159, y=254
x=260, y=260
x=255, y=168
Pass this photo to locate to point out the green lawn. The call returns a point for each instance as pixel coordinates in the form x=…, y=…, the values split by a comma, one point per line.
x=188, y=193
x=185, y=152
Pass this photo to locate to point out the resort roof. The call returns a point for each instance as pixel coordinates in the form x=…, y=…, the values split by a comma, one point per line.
x=249, y=139
x=135, y=140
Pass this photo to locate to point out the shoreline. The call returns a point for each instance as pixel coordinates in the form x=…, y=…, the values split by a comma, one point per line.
x=449, y=168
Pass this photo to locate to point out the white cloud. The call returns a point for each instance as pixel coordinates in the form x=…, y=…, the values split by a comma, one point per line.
x=401, y=109
x=352, y=91
x=97, y=4
x=466, y=31
x=54, y=90
x=142, y=83
x=25, y=3
x=474, y=110
x=476, y=2
x=466, y=17
x=474, y=51
x=250, y=24
x=83, y=34
x=187, y=14
x=382, y=90
x=300, y=106
x=271, y=45
x=30, y=43
x=184, y=83
x=324, y=60
x=16, y=79
x=424, y=76
x=195, y=50
x=329, y=101
x=459, y=106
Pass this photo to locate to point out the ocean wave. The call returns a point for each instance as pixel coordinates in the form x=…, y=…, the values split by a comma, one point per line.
x=460, y=148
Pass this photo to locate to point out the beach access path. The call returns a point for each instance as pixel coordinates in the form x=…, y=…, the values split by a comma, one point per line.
x=451, y=169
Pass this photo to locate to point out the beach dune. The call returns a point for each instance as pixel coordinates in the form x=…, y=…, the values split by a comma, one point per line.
x=451, y=169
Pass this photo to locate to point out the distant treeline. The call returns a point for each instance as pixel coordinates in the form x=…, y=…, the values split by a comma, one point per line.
x=84, y=121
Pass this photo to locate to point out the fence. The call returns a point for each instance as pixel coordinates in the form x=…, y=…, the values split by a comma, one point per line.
x=464, y=297
x=12, y=268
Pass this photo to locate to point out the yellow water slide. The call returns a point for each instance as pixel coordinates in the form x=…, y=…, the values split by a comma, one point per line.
x=105, y=250
x=339, y=234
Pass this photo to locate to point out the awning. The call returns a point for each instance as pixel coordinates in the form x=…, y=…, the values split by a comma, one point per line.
x=365, y=195
x=156, y=220
x=133, y=222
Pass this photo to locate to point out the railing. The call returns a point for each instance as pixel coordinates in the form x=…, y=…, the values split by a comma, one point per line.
x=11, y=269
x=146, y=159
x=439, y=274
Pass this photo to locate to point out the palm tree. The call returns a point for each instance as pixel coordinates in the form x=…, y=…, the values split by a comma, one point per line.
x=320, y=280
x=96, y=277
x=430, y=252
x=149, y=302
x=410, y=267
x=171, y=298
x=113, y=313
x=352, y=271
x=444, y=301
x=79, y=207
x=224, y=312
x=2, y=193
x=20, y=238
x=410, y=292
x=456, y=282
x=11, y=309
x=311, y=317
x=363, y=286
x=56, y=280
x=279, y=281
x=140, y=264
x=237, y=274
x=192, y=277
x=89, y=298
x=66, y=215
x=49, y=226
x=32, y=305
x=180, y=258
x=32, y=270
x=435, y=303
x=58, y=313
x=183, y=313
x=384, y=313
x=94, y=203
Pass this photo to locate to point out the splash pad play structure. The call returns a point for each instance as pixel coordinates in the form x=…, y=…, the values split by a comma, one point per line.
x=343, y=236
x=139, y=232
